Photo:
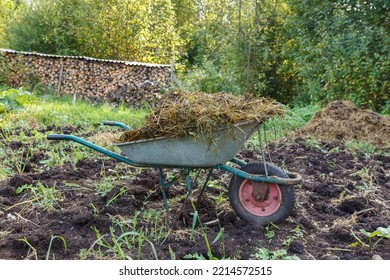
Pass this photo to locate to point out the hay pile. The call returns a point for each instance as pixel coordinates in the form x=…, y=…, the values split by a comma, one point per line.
x=200, y=115
x=344, y=121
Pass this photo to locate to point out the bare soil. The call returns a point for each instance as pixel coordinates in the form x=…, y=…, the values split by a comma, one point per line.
x=342, y=192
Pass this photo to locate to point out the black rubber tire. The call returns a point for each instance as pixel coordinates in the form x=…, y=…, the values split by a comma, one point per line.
x=287, y=195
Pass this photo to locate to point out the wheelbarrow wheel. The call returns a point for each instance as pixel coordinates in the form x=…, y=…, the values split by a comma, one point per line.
x=258, y=202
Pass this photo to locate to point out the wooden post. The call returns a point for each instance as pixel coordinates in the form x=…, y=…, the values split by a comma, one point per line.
x=60, y=78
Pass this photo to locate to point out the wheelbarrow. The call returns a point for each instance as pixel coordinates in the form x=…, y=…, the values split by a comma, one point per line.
x=258, y=192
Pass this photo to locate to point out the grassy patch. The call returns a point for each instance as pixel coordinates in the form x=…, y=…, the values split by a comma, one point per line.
x=50, y=109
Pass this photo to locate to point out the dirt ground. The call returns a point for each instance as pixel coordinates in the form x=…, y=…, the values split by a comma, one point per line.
x=341, y=194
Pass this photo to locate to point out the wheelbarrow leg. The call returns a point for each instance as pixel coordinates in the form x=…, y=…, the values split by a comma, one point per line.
x=206, y=182
x=163, y=189
x=188, y=184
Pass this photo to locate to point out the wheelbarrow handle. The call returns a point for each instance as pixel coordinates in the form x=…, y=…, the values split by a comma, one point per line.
x=57, y=137
x=114, y=123
x=90, y=145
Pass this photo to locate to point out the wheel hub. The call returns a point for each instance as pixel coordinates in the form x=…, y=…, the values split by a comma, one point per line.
x=260, y=199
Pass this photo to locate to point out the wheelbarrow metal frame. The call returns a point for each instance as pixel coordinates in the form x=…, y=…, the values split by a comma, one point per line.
x=293, y=179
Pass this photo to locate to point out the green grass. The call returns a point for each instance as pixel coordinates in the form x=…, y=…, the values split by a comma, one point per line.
x=58, y=110
x=51, y=109
x=277, y=128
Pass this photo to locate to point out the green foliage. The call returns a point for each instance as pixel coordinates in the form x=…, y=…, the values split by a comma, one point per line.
x=341, y=50
x=59, y=110
x=115, y=29
x=196, y=221
x=40, y=196
x=127, y=237
x=269, y=231
x=237, y=46
x=195, y=256
x=48, y=26
x=6, y=11
x=207, y=78
x=379, y=234
x=291, y=50
x=52, y=238
x=12, y=100
x=280, y=254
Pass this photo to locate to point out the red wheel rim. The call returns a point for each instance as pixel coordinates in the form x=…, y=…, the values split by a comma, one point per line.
x=262, y=208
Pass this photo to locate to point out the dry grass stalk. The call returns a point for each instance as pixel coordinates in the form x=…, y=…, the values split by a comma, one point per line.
x=201, y=114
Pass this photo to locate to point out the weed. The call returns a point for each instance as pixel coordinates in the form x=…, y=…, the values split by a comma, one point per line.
x=171, y=253
x=379, y=234
x=221, y=198
x=128, y=236
x=50, y=244
x=40, y=196
x=55, y=156
x=20, y=164
x=269, y=232
x=365, y=174
x=95, y=210
x=280, y=254
x=296, y=233
x=104, y=186
x=32, y=252
x=195, y=256
x=313, y=142
x=122, y=191
x=196, y=220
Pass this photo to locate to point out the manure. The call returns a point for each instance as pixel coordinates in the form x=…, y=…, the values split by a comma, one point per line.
x=201, y=115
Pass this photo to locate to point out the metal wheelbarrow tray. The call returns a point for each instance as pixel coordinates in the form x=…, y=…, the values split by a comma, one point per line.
x=190, y=151
x=258, y=192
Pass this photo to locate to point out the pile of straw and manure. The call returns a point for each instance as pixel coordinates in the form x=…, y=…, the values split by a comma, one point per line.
x=343, y=121
x=201, y=115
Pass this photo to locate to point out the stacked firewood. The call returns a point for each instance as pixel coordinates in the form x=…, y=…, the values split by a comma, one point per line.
x=133, y=84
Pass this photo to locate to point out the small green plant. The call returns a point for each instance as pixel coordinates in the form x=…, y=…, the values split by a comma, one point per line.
x=171, y=253
x=52, y=238
x=32, y=252
x=40, y=196
x=21, y=162
x=196, y=220
x=127, y=237
x=280, y=254
x=195, y=256
x=122, y=246
x=373, y=238
x=269, y=232
x=95, y=210
x=121, y=192
x=221, y=198
x=105, y=186
x=296, y=233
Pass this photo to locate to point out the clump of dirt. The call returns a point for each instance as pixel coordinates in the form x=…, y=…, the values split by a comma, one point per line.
x=201, y=114
x=343, y=121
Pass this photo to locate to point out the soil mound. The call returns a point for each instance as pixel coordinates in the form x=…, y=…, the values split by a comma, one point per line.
x=200, y=115
x=343, y=121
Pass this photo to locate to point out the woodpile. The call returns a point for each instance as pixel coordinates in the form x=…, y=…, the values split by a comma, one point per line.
x=130, y=83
